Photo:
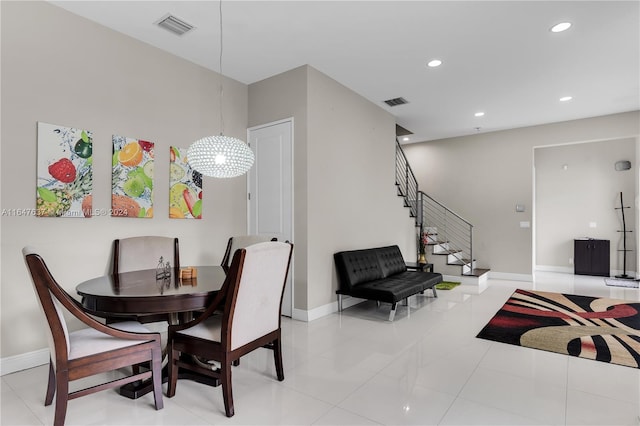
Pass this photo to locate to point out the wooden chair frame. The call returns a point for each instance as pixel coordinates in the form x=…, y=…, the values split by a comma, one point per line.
x=229, y=252
x=116, y=255
x=220, y=351
x=64, y=370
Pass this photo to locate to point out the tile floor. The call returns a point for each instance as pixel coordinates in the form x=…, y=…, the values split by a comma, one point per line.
x=425, y=368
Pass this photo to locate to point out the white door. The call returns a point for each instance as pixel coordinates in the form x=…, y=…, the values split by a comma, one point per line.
x=270, y=187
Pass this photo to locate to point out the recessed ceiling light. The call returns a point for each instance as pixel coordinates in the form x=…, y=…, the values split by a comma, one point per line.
x=562, y=26
x=406, y=138
x=479, y=114
x=566, y=98
x=434, y=63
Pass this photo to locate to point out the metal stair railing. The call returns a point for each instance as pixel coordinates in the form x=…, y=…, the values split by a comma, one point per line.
x=451, y=230
x=406, y=182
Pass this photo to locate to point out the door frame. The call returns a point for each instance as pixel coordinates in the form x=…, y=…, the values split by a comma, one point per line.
x=292, y=266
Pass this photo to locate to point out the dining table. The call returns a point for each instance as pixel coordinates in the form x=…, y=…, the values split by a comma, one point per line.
x=149, y=295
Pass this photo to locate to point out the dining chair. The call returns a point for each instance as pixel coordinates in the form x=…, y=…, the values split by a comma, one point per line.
x=89, y=351
x=137, y=253
x=252, y=297
x=241, y=241
x=144, y=252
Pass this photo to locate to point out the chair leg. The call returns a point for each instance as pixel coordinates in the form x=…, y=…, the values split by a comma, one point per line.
x=277, y=355
x=172, y=370
x=434, y=291
x=227, y=393
x=339, y=303
x=156, y=371
x=62, y=397
x=51, y=387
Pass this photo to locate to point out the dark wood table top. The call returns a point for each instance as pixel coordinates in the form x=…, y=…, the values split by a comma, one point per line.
x=140, y=293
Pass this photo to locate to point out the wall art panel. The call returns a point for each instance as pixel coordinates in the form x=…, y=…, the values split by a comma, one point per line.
x=185, y=187
x=132, y=177
x=64, y=171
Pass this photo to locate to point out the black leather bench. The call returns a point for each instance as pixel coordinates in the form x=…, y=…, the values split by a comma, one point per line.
x=380, y=274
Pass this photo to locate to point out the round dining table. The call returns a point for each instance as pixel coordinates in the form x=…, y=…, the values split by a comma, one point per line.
x=152, y=295
x=150, y=292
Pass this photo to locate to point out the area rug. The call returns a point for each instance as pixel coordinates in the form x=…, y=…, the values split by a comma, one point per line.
x=447, y=285
x=621, y=282
x=601, y=329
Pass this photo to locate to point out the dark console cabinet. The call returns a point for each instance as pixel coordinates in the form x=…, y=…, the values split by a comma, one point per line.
x=591, y=257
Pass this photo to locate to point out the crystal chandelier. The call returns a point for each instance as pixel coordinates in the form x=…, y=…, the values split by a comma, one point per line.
x=220, y=156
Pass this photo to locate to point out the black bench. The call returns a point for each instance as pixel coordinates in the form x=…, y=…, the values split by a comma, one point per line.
x=380, y=274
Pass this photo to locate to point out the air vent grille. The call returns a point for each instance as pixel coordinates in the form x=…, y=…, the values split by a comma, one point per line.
x=396, y=102
x=175, y=25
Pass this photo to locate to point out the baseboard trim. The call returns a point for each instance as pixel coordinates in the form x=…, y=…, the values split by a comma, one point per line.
x=14, y=363
x=324, y=310
x=509, y=276
x=558, y=269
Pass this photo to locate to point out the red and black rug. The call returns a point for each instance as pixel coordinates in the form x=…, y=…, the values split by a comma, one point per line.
x=602, y=329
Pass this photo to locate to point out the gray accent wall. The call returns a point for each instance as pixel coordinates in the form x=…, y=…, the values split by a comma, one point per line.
x=344, y=192
x=577, y=191
x=482, y=177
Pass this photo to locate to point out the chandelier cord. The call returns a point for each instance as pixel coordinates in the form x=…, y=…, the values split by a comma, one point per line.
x=220, y=69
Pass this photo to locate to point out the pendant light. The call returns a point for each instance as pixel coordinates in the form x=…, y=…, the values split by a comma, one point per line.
x=220, y=156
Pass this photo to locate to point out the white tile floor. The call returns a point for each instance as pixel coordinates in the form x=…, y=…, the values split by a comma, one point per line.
x=425, y=368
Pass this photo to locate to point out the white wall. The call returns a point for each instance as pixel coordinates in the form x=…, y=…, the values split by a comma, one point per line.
x=576, y=187
x=482, y=177
x=62, y=69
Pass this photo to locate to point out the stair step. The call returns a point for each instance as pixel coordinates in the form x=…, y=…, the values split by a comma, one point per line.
x=447, y=252
x=477, y=272
x=460, y=262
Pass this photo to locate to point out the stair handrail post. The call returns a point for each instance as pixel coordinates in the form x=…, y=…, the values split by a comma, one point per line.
x=471, y=268
x=419, y=210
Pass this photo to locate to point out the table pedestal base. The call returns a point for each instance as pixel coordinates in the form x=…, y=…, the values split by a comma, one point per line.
x=137, y=389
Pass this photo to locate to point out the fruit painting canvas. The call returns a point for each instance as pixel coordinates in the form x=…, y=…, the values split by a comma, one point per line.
x=64, y=171
x=131, y=177
x=185, y=187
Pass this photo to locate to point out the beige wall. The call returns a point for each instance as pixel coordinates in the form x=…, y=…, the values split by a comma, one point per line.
x=345, y=196
x=352, y=201
x=482, y=177
x=280, y=97
x=577, y=185
x=62, y=69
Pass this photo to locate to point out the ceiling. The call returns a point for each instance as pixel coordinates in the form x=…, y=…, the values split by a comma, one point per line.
x=499, y=57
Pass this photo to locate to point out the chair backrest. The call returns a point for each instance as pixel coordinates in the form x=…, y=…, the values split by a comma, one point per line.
x=253, y=306
x=137, y=253
x=49, y=295
x=242, y=241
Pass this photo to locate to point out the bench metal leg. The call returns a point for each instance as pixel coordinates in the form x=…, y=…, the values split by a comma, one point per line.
x=433, y=289
x=339, y=303
x=392, y=314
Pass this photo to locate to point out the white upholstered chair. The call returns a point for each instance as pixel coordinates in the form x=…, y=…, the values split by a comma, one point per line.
x=89, y=351
x=252, y=301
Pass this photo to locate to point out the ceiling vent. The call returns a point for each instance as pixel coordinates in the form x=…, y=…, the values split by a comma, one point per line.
x=175, y=25
x=396, y=102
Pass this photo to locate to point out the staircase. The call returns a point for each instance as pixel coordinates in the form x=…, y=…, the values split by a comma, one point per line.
x=450, y=237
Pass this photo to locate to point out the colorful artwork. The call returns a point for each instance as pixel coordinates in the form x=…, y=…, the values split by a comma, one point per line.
x=132, y=177
x=185, y=187
x=64, y=172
